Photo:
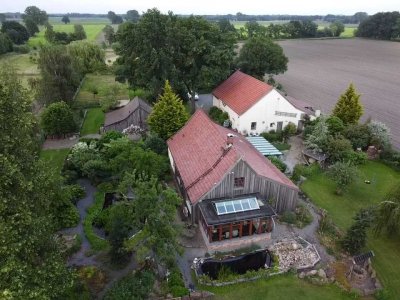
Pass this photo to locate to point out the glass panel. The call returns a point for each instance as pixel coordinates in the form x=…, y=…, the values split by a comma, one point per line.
x=229, y=207
x=253, y=203
x=220, y=208
x=238, y=206
x=245, y=204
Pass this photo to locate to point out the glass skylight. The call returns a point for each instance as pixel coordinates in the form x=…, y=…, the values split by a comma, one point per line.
x=234, y=206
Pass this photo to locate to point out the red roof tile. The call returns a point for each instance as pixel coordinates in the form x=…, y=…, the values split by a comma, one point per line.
x=241, y=91
x=198, y=153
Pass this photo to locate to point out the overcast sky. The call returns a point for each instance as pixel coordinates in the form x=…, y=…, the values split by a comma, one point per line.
x=301, y=7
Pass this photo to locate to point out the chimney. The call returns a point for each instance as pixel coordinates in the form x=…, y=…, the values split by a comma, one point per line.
x=229, y=139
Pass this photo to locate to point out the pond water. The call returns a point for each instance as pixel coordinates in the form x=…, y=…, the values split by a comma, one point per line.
x=239, y=264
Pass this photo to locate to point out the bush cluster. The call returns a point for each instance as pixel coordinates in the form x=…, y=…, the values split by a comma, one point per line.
x=218, y=115
x=278, y=163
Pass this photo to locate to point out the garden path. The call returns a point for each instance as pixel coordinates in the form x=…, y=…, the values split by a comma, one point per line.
x=81, y=258
x=294, y=155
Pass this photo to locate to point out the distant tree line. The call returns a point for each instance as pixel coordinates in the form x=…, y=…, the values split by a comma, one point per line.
x=57, y=37
x=382, y=26
x=290, y=30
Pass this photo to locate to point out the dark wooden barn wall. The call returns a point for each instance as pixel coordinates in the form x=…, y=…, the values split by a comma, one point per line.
x=138, y=117
x=284, y=197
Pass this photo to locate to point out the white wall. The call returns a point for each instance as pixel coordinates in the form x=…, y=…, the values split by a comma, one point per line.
x=263, y=113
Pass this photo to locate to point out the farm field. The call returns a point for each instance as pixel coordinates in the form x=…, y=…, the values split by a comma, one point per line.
x=320, y=70
x=342, y=208
x=92, y=32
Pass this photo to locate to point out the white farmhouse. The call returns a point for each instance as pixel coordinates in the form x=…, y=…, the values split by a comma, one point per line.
x=254, y=106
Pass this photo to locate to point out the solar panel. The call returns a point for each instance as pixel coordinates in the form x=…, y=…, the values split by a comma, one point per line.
x=233, y=206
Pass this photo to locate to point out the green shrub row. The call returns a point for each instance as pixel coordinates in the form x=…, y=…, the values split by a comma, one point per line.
x=96, y=243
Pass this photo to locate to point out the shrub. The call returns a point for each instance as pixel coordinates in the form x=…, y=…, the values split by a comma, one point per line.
x=278, y=163
x=289, y=130
x=218, y=115
x=176, y=284
x=272, y=136
x=342, y=174
x=96, y=242
x=338, y=148
x=358, y=134
x=23, y=49
x=306, y=171
x=108, y=137
x=335, y=125
x=133, y=286
x=356, y=158
x=76, y=191
x=288, y=217
x=138, y=92
x=58, y=119
x=155, y=144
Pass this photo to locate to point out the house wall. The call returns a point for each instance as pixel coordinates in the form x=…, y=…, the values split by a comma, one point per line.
x=264, y=113
x=138, y=117
x=282, y=197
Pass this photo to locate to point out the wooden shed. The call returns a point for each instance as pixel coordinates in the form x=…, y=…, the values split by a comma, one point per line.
x=134, y=113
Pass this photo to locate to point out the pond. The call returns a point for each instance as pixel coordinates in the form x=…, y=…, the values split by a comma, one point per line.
x=239, y=264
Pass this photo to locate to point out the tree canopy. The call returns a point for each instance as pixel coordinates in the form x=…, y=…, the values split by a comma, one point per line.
x=31, y=26
x=383, y=26
x=168, y=115
x=31, y=264
x=260, y=56
x=59, y=77
x=349, y=108
x=58, y=119
x=191, y=53
x=388, y=213
x=114, y=18
x=39, y=17
x=132, y=15
x=15, y=31
x=65, y=19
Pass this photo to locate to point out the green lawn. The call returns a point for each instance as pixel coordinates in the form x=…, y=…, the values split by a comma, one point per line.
x=279, y=288
x=102, y=82
x=342, y=208
x=55, y=158
x=94, y=119
x=92, y=31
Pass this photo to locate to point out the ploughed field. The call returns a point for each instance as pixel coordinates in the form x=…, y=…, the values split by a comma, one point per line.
x=320, y=70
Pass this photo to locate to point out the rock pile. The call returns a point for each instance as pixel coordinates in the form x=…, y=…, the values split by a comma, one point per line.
x=295, y=254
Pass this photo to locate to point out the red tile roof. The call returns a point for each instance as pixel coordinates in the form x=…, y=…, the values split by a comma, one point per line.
x=241, y=91
x=199, y=155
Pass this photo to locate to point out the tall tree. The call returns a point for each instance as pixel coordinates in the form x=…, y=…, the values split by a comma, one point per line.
x=65, y=19
x=255, y=29
x=349, y=108
x=383, y=25
x=6, y=44
x=356, y=236
x=109, y=34
x=31, y=264
x=114, y=18
x=132, y=15
x=59, y=77
x=191, y=53
x=79, y=32
x=87, y=57
x=336, y=28
x=168, y=115
x=342, y=174
x=31, y=26
x=388, y=213
x=36, y=15
x=260, y=56
x=15, y=31
x=58, y=119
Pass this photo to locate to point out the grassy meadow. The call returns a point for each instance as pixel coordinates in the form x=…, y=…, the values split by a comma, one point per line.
x=92, y=32
x=55, y=158
x=279, y=287
x=360, y=195
x=85, y=96
x=94, y=119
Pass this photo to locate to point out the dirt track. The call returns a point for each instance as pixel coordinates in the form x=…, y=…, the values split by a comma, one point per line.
x=320, y=70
